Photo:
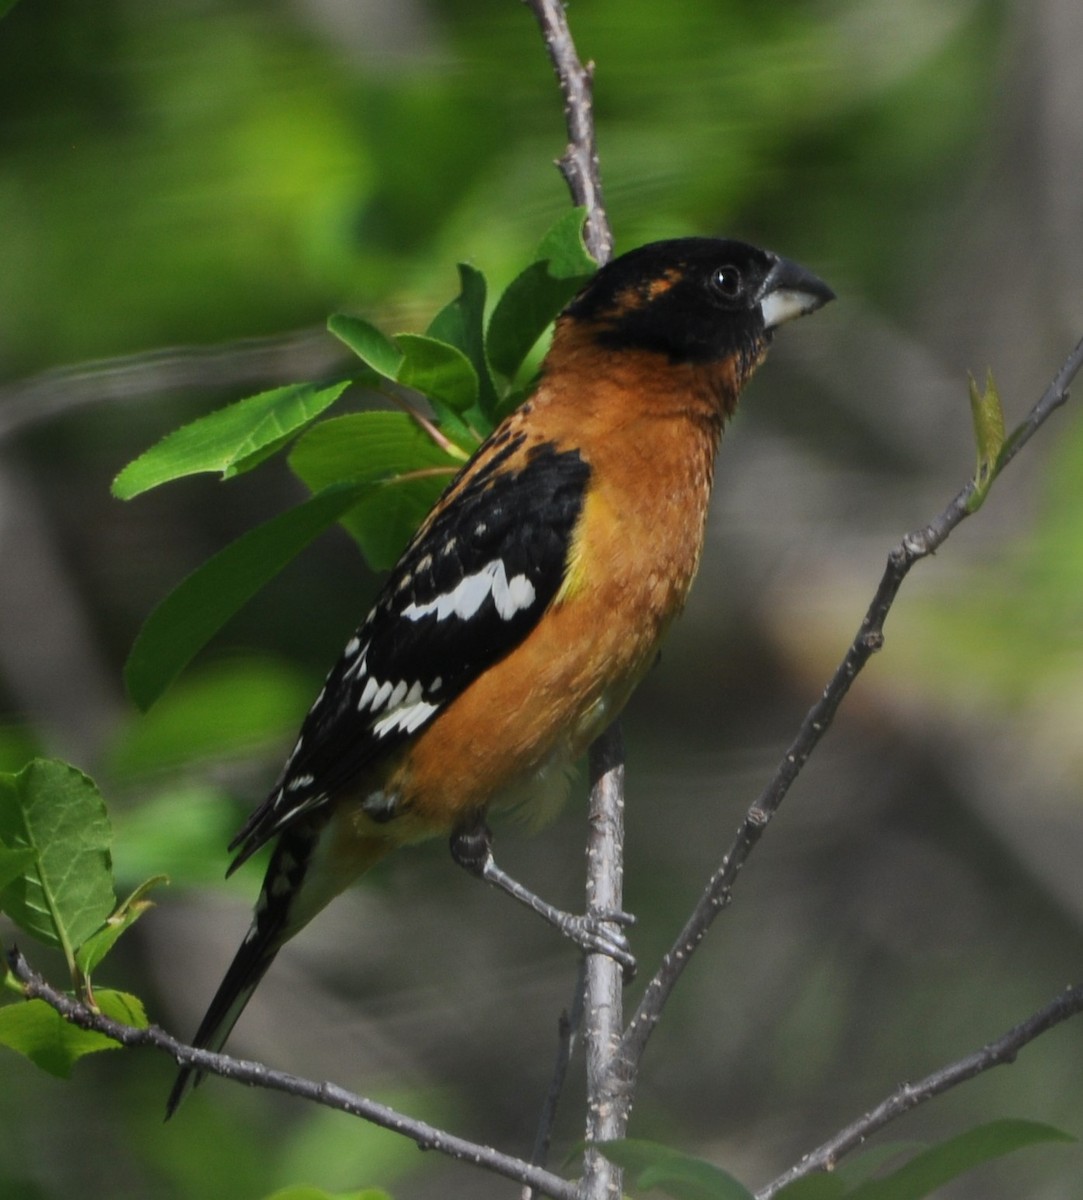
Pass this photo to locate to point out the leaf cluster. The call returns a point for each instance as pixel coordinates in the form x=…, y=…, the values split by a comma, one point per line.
x=56, y=884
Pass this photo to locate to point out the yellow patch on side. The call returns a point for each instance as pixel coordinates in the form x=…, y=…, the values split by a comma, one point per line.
x=576, y=567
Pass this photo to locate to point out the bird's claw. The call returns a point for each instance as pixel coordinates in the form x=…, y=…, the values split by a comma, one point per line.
x=595, y=935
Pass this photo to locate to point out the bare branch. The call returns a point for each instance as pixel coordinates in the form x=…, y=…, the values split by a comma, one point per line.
x=567, y=1034
x=330, y=1095
x=579, y=163
x=910, y=1095
x=608, y=1090
x=869, y=638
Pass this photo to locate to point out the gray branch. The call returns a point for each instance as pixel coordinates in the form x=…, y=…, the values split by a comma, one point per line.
x=579, y=162
x=330, y=1095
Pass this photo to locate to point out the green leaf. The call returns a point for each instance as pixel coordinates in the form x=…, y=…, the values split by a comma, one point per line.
x=98, y=945
x=384, y=524
x=822, y=1186
x=466, y=432
x=66, y=892
x=462, y=324
x=385, y=446
x=231, y=440
x=523, y=313
x=534, y=298
x=370, y=344
x=199, y=606
x=564, y=250
x=988, y=417
x=366, y=447
x=939, y=1165
x=36, y=1030
x=13, y=863
x=437, y=369
x=857, y=1168
x=6, y=6
x=677, y=1175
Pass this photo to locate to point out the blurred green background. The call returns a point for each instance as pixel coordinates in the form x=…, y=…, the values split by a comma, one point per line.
x=187, y=190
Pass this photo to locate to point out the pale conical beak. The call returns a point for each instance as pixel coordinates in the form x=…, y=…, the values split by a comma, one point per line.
x=790, y=291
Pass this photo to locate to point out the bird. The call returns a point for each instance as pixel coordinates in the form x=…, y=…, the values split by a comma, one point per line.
x=530, y=602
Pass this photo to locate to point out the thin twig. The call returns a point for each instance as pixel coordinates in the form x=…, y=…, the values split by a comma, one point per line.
x=910, y=1095
x=579, y=163
x=426, y=1136
x=609, y=1090
x=603, y=1017
x=567, y=1035
x=869, y=638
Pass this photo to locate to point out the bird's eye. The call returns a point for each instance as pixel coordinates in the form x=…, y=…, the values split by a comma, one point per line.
x=726, y=282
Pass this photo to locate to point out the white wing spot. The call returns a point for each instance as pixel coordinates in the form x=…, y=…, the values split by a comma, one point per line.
x=352, y=647
x=511, y=595
x=468, y=595
x=300, y=781
x=357, y=671
x=371, y=687
x=407, y=718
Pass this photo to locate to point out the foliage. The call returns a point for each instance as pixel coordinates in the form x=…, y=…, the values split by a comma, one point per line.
x=56, y=885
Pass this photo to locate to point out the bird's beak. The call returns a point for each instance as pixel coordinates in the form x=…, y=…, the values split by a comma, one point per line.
x=790, y=291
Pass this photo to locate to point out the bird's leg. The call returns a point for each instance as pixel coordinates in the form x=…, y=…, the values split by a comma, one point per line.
x=471, y=847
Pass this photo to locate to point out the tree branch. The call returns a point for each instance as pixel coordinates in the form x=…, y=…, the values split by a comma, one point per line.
x=869, y=638
x=909, y=1095
x=330, y=1095
x=609, y=1090
x=579, y=163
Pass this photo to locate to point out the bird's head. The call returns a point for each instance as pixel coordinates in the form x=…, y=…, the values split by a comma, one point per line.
x=696, y=300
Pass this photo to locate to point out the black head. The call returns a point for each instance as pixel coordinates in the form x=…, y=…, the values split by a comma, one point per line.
x=696, y=299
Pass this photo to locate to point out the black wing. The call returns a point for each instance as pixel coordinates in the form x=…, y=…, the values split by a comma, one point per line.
x=470, y=586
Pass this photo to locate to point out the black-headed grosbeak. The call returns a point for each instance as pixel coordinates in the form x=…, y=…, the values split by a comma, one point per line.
x=532, y=599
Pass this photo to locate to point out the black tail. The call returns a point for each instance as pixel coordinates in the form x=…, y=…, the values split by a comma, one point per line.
x=278, y=917
x=250, y=964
